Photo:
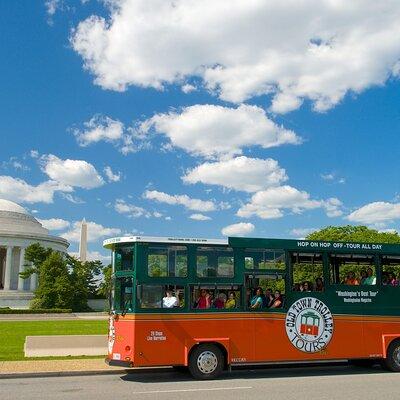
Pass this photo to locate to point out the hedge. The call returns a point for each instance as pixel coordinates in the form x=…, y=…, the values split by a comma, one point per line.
x=8, y=310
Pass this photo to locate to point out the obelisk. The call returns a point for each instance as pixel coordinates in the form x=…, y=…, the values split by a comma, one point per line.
x=83, y=242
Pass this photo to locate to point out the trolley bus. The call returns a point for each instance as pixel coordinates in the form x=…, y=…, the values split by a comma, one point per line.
x=207, y=305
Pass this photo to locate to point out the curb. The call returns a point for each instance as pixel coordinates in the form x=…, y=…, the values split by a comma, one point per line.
x=17, y=375
x=50, y=374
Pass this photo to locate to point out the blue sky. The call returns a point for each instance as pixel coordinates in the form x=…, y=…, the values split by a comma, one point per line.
x=198, y=120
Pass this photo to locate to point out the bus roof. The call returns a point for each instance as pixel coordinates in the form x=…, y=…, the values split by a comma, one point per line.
x=109, y=243
x=245, y=242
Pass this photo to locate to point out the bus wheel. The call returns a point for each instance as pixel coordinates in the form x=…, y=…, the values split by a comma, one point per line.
x=206, y=362
x=392, y=360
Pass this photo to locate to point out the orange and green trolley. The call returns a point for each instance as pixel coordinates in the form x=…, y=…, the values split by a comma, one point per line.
x=208, y=305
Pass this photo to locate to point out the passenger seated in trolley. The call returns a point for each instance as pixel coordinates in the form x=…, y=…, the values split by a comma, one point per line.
x=269, y=297
x=351, y=279
x=278, y=300
x=170, y=301
x=370, y=279
x=257, y=300
x=220, y=300
x=231, y=302
x=319, y=285
x=204, y=301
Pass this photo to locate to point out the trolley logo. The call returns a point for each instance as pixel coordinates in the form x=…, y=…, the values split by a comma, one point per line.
x=309, y=325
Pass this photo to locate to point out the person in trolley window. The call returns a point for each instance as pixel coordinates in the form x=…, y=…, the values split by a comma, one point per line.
x=204, y=301
x=370, y=278
x=257, y=300
x=278, y=300
x=351, y=279
x=231, y=302
x=170, y=301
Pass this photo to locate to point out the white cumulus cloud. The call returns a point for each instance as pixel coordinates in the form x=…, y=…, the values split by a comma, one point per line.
x=78, y=173
x=240, y=173
x=239, y=229
x=215, y=131
x=183, y=200
x=132, y=211
x=54, y=224
x=200, y=217
x=272, y=202
x=293, y=50
x=376, y=213
x=99, y=128
x=95, y=232
x=111, y=176
x=18, y=190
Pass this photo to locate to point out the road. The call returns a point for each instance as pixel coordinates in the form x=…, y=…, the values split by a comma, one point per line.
x=308, y=383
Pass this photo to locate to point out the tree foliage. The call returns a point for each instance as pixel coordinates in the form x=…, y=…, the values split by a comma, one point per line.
x=350, y=233
x=63, y=281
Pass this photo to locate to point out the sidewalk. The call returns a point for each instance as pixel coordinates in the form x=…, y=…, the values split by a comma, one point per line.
x=49, y=317
x=31, y=368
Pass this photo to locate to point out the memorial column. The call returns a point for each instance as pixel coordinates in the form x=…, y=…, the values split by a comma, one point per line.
x=7, y=275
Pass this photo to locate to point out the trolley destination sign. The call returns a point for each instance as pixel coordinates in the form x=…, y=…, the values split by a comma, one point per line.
x=340, y=245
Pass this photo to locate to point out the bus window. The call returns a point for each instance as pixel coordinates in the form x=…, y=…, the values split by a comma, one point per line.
x=307, y=272
x=214, y=261
x=225, y=297
x=161, y=296
x=123, y=294
x=390, y=270
x=167, y=261
x=352, y=269
x=264, y=259
x=265, y=291
x=123, y=259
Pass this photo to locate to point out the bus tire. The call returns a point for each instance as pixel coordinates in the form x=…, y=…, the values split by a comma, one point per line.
x=392, y=360
x=206, y=361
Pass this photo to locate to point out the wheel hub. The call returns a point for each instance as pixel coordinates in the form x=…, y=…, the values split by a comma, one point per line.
x=207, y=362
x=396, y=356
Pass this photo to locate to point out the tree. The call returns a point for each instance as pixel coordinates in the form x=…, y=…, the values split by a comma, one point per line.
x=350, y=233
x=54, y=289
x=63, y=281
x=83, y=276
x=105, y=286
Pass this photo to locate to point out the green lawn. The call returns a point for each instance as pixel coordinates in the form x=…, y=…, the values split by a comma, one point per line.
x=12, y=334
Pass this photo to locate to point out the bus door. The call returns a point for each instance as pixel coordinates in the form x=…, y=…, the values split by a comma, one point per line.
x=265, y=297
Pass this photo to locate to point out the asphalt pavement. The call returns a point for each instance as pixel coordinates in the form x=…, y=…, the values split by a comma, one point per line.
x=308, y=383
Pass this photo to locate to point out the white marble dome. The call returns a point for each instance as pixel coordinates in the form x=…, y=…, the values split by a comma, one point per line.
x=15, y=219
x=18, y=230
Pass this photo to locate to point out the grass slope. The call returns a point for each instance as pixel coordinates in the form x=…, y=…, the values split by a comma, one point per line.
x=12, y=333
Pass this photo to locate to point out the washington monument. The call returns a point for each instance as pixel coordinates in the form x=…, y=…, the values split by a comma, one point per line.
x=83, y=242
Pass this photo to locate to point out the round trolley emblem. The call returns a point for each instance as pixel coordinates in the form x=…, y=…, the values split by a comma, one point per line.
x=309, y=324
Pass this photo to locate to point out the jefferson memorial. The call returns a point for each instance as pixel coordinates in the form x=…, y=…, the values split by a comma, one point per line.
x=19, y=229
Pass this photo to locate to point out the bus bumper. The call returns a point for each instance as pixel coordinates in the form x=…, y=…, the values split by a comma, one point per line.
x=118, y=363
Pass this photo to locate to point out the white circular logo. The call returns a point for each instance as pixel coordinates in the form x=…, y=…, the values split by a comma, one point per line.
x=309, y=324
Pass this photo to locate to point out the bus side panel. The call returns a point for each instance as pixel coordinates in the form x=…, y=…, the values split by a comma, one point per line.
x=378, y=333
x=168, y=342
